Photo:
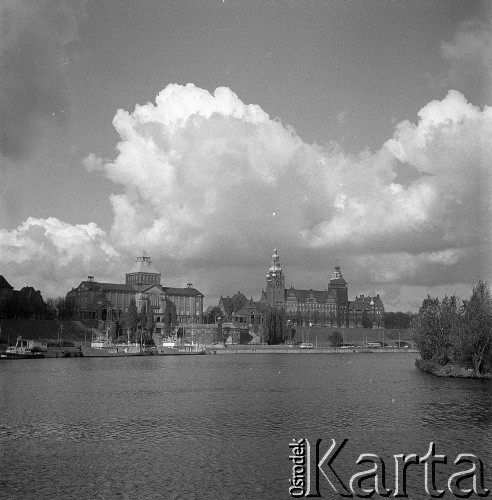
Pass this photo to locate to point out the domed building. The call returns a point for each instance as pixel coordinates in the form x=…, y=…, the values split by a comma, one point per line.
x=109, y=302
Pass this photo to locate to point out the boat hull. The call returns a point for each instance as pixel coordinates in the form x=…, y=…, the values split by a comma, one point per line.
x=21, y=356
x=25, y=349
x=113, y=352
x=174, y=351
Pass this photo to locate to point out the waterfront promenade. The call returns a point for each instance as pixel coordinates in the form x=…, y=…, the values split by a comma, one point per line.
x=282, y=349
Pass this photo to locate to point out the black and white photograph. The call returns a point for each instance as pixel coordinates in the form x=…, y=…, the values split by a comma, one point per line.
x=245, y=249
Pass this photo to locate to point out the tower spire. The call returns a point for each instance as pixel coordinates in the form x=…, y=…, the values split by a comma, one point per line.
x=275, y=264
x=275, y=289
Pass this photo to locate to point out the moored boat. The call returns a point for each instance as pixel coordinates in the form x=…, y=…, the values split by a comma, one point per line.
x=25, y=349
x=103, y=346
x=173, y=347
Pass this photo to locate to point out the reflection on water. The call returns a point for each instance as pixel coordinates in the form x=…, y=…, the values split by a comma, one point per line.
x=219, y=426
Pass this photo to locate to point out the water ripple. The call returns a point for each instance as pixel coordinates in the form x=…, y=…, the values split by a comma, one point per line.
x=218, y=426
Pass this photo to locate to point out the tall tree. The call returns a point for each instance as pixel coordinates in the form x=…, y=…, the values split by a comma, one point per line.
x=398, y=320
x=332, y=318
x=298, y=317
x=336, y=338
x=472, y=340
x=266, y=327
x=51, y=309
x=149, y=323
x=228, y=307
x=434, y=326
x=280, y=326
x=170, y=318
x=425, y=328
x=131, y=319
x=274, y=328
x=213, y=314
x=366, y=320
x=315, y=316
x=66, y=308
x=238, y=301
x=143, y=317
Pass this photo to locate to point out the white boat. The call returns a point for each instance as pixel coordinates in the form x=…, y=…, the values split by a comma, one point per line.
x=25, y=349
x=103, y=346
x=175, y=347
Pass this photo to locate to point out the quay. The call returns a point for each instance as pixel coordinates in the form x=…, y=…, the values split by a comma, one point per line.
x=279, y=349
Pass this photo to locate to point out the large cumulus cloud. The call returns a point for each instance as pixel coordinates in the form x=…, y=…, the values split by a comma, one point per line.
x=209, y=184
x=207, y=177
x=200, y=169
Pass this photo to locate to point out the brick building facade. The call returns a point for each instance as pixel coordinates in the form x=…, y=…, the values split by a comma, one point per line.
x=324, y=307
x=110, y=301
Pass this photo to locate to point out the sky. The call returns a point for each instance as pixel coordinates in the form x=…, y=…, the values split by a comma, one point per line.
x=208, y=133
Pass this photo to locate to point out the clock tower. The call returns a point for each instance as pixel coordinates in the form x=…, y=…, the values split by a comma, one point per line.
x=275, y=283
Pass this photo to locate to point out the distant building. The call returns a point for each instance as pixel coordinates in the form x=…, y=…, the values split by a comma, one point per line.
x=25, y=303
x=110, y=301
x=240, y=310
x=252, y=313
x=370, y=307
x=326, y=307
x=6, y=298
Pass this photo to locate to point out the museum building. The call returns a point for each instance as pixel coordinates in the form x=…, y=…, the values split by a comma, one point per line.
x=109, y=302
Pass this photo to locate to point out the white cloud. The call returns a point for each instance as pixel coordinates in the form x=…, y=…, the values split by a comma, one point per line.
x=469, y=55
x=342, y=116
x=472, y=42
x=202, y=174
x=448, y=257
x=93, y=162
x=200, y=169
x=452, y=145
x=53, y=252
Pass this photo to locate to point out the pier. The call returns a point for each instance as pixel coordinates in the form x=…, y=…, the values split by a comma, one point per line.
x=280, y=349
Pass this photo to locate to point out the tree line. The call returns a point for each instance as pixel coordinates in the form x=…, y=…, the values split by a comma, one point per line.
x=275, y=329
x=457, y=331
x=26, y=303
x=139, y=326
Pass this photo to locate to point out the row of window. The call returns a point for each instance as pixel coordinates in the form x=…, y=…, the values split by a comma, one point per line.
x=185, y=302
x=146, y=279
x=311, y=306
x=244, y=319
x=119, y=299
x=310, y=302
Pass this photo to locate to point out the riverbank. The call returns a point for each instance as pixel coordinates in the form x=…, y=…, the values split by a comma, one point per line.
x=282, y=349
x=448, y=370
x=42, y=329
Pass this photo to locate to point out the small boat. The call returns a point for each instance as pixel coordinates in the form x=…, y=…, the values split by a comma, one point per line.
x=103, y=346
x=173, y=347
x=25, y=349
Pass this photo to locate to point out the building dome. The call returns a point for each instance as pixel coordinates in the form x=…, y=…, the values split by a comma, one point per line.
x=337, y=276
x=143, y=272
x=275, y=265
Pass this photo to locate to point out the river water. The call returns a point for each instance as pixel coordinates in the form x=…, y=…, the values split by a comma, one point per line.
x=219, y=427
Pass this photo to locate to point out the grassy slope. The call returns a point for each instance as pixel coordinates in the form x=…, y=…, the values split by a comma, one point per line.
x=76, y=331
x=42, y=329
x=356, y=336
